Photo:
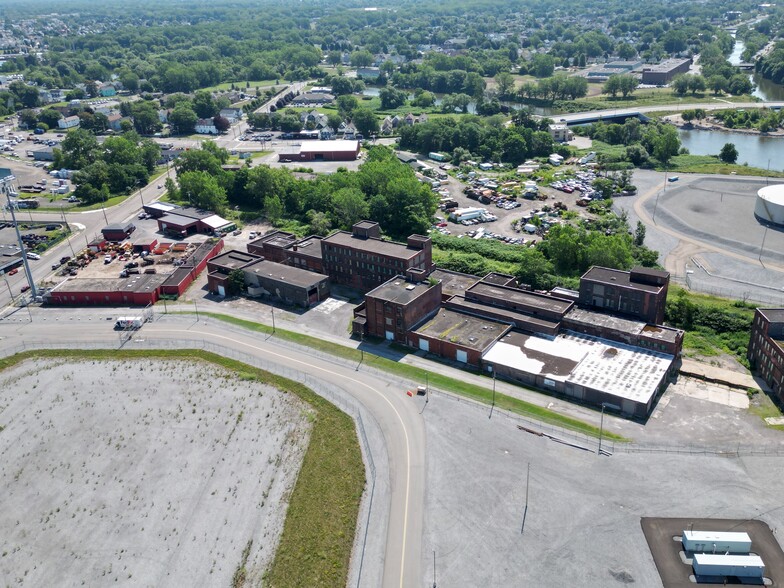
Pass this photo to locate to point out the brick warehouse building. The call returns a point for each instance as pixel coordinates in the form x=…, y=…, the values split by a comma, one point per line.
x=588, y=353
x=338, y=150
x=641, y=293
x=362, y=260
x=766, y=348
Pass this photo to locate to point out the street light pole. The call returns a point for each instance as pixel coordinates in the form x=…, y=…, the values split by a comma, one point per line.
x=492, y=406
x=762, y=247
x=601, y=430
x=272, y=309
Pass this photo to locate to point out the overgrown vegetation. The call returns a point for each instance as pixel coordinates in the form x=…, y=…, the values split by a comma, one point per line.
x=713, y=325
x=318, y=535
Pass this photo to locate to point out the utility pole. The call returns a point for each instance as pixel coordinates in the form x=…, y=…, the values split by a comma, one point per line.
x=104, y=213
x=5, y=184
x=434, y=568
x=272, y=309
x=762, y=247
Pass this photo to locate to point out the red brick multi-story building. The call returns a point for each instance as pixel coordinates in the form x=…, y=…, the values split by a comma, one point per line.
x=766, y=348
x=362, y=260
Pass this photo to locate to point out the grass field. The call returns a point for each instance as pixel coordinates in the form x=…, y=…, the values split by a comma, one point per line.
x=656, y=96
x=242, y=85
x=478, y=393
x=318, y=535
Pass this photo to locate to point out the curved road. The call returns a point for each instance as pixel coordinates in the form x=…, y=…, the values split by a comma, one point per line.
x=642, y=213
x=398, y=416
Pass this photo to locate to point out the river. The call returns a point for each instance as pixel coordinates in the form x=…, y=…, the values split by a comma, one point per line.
x=764, y=89
x=756, y=150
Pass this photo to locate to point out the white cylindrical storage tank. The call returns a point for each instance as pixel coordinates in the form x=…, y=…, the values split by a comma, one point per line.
x=741, y=566
x=716, y=542
x=770, y=204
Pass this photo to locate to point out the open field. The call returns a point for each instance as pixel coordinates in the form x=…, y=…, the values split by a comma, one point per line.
x=146, y=472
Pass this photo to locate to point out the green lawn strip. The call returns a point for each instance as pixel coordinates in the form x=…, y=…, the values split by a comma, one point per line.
x=318, y=535
x=762, y=406
x=417, y=374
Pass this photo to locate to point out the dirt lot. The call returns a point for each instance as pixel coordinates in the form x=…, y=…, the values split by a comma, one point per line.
x=143, y=474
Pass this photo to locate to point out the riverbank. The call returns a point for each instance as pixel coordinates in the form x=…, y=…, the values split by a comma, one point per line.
x=711, y=124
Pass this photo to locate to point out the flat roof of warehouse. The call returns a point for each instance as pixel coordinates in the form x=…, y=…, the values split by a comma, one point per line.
x=285, y=273
x=462, y=329
x=522, y=297
x=624, y=371
x=133, y=283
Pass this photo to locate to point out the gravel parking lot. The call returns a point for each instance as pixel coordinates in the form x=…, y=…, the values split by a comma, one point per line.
x=142, y=473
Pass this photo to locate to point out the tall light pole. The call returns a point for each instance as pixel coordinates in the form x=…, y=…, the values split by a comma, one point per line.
x=762, y=247
x=601, y=430
x=5, y=184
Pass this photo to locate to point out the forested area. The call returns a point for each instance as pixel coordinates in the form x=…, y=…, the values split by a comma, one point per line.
x=382, y=189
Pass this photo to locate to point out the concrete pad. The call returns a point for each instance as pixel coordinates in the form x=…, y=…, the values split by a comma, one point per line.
x=711, y=392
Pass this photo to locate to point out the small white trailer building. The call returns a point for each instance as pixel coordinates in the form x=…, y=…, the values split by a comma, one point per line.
x=723, y=566
x=716, y=542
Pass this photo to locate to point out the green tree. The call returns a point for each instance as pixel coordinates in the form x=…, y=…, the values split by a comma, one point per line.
x=346, y=105
x=348, y=207
x=79, y=149
x=392, y=98
x=361, y=58
x=273, y=208
x=542, y=65
x=318, y=222
x=49, y=117
x=365, y=121
x=203, y=191
x=203, y=105
x=182, y=119
x=504, y=83
x=680, y=84
x=728, y=153
x=639, y=234
x=236, y=282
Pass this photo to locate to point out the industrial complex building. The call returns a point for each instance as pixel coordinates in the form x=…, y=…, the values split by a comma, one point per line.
x=596, y=346
x=662, y=73
x=766, y=348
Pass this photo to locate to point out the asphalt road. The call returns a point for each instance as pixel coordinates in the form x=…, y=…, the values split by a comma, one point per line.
x=397, y=415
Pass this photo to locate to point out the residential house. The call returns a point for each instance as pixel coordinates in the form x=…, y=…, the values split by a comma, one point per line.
x=368, y=72
x=560, y=132
x=163, y=115
x=115, y=122
x=107, y=90
x=68, y=122
x=386, y=126
x=234, y=115
x=206, y=126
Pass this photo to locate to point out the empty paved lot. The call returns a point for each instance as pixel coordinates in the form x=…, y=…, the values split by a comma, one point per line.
x=583, y=523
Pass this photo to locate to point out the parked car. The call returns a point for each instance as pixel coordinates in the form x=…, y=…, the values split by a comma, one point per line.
x=673, y=179
x=25, y=288
x=252, y=235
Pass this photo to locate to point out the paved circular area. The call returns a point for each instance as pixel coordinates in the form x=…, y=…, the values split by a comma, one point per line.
x=720, y=211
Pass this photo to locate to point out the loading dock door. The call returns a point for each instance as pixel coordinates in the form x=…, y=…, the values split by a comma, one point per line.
x=424, y=345
x=221, y=290
x=390, y=336
x=461, y=356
